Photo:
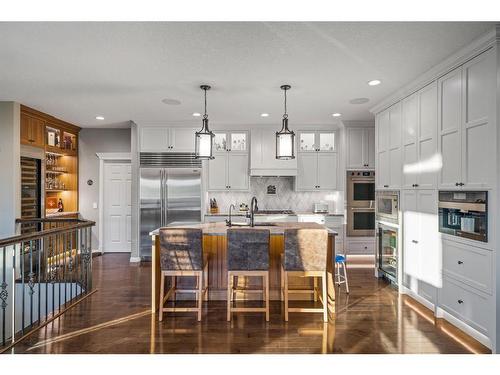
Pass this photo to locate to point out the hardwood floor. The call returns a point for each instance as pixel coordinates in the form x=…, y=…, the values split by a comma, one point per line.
x=116, y=319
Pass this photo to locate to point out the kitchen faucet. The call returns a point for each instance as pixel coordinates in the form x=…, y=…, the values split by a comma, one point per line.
x=228, y=221
x=253, y=208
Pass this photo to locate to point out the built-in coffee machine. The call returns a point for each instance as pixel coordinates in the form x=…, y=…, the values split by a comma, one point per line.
x=464, y=214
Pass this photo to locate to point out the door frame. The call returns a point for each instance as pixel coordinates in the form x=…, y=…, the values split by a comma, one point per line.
x=107, y=157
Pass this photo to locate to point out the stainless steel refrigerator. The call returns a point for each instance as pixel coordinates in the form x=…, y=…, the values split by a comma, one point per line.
x=168, y=197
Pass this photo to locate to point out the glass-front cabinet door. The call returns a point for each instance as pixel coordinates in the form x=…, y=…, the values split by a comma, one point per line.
x=220, y=142
x=238, y=142
x=307, y=141
x=326, y=141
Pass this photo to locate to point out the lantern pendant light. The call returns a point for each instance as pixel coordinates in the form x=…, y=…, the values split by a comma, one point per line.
x=285, y=138
x=204, y=137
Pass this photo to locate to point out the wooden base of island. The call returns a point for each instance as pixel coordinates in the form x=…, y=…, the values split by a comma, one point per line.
x=215, y=247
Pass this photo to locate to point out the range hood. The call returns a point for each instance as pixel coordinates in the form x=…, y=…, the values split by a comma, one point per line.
x=263, y=160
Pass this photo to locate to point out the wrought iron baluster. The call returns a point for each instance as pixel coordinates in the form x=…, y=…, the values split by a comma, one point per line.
x=39, y=269
x=13, y=307
x=70, y=268
x=21, y=267
x=31, y=282
x=4, y=294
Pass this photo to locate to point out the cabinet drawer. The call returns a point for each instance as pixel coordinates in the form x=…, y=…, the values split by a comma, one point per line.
x=474, y=308
x=470, y=264
x=360, y=247
x=334, y=221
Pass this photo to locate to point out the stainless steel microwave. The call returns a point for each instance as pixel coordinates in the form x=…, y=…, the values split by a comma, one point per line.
x=387, y=206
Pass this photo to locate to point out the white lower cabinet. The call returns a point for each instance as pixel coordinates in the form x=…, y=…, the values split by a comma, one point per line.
x=360, y=245
x=421, y=243
x=468, y=305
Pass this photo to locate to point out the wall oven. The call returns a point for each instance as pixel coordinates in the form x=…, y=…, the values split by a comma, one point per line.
x=464, y=214
x=360, y=203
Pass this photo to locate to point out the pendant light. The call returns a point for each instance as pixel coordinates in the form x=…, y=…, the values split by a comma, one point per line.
x=204, y=138
x=285, y=138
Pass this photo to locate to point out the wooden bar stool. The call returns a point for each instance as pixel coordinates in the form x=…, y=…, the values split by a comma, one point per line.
x=181, y=254
x=305, y=256
x=247, y=255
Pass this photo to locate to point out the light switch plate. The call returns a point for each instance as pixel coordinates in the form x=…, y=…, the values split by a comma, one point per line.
x=94, y=205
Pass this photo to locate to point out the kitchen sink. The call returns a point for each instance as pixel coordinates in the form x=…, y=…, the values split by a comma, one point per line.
x=255, y=225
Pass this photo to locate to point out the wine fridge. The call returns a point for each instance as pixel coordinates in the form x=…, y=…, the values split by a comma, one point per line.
x=30, y=192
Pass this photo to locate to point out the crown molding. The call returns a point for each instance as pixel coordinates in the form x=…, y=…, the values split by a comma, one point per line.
x=478, y=46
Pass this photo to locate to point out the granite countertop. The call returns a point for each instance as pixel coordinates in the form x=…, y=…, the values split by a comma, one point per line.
x=239, y=213
x=278, y=228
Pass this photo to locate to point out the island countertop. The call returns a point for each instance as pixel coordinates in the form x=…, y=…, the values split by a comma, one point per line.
x=276, y=228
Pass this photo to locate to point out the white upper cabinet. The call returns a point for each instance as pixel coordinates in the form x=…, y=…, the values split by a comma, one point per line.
x=429, y=161
x=409, y=117
x=155, y=139
x=449, y=120
x=229, y=168
x=317, y=161
x=388, y=148
x=360, y=148
x=161, y=139
x=263, y=160
x=466, y=136
x=418, y=152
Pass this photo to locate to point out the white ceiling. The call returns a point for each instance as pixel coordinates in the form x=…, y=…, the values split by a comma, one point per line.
x=122, y=71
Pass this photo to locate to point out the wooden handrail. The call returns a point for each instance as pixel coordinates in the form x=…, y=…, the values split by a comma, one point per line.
x=44, y=233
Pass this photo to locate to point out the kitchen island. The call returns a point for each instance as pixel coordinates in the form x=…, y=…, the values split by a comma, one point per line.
x=215, y=249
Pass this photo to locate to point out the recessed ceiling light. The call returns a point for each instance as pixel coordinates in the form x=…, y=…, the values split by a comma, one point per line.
x=196, y=114
x=264, y=115
x=171, y=101
x=99, y=118
x=374, y=82
x=336, y=114
x=359, y=100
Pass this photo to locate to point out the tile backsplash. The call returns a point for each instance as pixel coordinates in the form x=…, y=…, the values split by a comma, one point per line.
x=286, y=198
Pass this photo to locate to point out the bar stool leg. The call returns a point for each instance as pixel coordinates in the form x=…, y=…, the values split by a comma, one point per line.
x=174, y=285
x=162, y=292
x=282, y=284
x=325, y=298
x=286, y=296
x=229, y=293
x=266, y=277
x=200, y=293
x=315, y=288
x=205, y=277
x=345, y=278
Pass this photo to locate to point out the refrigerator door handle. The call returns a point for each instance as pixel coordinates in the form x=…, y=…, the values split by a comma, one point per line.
x=161, y=198
x=164, y=197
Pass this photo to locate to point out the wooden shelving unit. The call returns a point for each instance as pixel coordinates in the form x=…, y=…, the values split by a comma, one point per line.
x=59, y=139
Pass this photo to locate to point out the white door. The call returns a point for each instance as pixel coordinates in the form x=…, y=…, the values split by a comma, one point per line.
x=449, y=120
x=307, y=171
x=217, y=171
x=355, y=156
x=182, y=140
x=327, y=171
x=237, y=171
x=117, y=207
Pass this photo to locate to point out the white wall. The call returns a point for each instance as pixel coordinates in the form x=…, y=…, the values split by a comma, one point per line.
x=91, y=142
x=10, y=165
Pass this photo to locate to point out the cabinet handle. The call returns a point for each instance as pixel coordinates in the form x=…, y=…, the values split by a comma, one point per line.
x=414, y=241
x=462, y=184
x=386, y=186
x=460, y=301
x=457, y=184
x=460, y=262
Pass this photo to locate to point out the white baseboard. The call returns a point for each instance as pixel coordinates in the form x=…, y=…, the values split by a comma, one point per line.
x=440, y=313
x=135, y=259
x=418, y=298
